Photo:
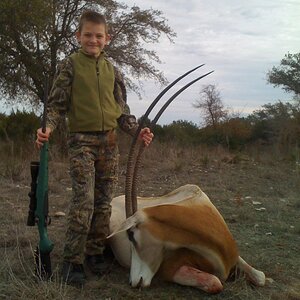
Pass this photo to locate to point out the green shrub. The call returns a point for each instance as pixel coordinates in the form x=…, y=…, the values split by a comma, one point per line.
x=19, y=126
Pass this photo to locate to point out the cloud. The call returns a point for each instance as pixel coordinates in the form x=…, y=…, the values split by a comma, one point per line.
x=240, y=40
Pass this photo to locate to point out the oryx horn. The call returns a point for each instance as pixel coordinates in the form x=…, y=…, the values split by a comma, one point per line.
x=130, y=185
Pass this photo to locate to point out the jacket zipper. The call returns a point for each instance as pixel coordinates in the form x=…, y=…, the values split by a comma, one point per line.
x=98, y=75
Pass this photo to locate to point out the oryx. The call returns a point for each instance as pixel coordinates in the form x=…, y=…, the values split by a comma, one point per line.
x=180, y=236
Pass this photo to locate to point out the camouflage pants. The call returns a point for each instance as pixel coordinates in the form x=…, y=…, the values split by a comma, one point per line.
x=94, y=171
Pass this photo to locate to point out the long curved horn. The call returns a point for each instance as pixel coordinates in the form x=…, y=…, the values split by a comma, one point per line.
x=142, y=146
x=158, y=115
x=129, y=171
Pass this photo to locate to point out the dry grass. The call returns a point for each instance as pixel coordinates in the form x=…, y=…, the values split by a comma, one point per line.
x=269, y=239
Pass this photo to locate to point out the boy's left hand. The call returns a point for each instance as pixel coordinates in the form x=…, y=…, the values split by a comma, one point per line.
x=146, y=136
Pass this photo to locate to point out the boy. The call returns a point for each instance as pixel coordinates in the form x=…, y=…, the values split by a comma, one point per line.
x=92, y=92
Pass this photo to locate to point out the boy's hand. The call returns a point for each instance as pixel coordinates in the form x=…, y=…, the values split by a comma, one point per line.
x=146, y=136
x=42, y=137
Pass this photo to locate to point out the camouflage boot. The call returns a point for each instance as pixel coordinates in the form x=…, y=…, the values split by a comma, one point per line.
x=97, y=264
x=73, y=274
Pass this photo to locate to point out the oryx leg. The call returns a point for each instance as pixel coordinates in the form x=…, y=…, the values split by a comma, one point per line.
x=190, y=276
x=188, y=268
x=255, y=276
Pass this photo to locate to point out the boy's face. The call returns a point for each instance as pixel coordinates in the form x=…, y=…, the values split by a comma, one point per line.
x=93, y=38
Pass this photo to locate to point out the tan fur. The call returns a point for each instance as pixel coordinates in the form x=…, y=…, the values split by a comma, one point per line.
x=198, y=228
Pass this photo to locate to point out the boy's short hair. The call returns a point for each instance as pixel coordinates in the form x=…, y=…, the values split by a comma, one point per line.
x=91, y=16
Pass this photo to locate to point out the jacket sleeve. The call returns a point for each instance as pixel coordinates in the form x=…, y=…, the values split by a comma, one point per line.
x=126, y=121
x=59, y=98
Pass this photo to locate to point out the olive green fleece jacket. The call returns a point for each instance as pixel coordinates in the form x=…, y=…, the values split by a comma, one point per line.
x=93, y=106
x=92, y=94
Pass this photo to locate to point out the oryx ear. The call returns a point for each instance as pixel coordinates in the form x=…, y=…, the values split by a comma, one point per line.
x=133, y=221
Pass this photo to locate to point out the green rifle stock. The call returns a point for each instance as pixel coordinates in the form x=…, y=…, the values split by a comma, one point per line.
x=38, y=207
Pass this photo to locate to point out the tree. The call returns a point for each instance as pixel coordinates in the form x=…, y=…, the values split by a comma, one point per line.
x=36, y=35
x=287, y=74
x=278, y=122
x=10, y=129
x=211, y=105
x=181, y=131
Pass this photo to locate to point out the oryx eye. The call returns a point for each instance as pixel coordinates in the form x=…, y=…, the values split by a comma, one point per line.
x=130, y=234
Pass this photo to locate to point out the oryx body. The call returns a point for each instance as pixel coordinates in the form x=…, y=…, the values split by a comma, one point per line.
x=180, y=236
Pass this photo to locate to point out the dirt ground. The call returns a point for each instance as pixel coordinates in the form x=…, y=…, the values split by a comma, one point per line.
x=257, y=194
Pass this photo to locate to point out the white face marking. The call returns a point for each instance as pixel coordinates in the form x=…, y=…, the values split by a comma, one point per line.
x=140, y=273
x=146, y=256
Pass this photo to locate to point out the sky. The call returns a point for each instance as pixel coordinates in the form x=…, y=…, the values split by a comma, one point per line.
x=240, y=40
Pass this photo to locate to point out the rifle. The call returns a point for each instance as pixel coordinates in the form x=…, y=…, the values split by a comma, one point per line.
x=38, y=207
